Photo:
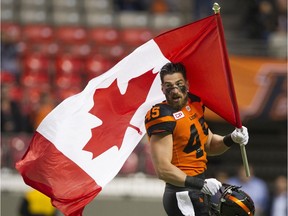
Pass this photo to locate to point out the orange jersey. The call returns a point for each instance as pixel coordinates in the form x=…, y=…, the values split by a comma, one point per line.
x=189, y=130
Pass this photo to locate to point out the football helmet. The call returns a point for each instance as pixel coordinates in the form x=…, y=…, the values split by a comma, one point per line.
x=233, y=202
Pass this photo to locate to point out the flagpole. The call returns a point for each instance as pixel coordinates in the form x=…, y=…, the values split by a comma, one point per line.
x=244, y=158
x=216, y=8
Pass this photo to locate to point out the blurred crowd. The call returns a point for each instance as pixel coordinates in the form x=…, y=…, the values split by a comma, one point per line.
x=265, y=17
x=269, y=200
x=261, y=18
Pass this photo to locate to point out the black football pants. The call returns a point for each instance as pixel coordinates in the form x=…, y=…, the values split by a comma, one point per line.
x=179, y=201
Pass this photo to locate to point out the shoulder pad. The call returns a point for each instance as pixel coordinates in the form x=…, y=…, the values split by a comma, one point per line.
x=165, y=109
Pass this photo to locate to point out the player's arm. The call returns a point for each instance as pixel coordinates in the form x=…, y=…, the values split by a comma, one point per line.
x=215, y=145
x=161, y=152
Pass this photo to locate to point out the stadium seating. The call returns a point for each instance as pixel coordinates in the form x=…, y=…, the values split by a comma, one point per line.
x=34, y=3
x=47, y=48
x=35, y=79
x=166, y=21
x=30, y=15
x=135, y=36
x=16, y=146
x=99, y=19
x=71, y=34
x=67, y=85
x=68, y=64
x=99, y=5
x=66, y=4
x=7, y=78
x=8, y=13
x=72, y=40
x=103, y=36
x=95, y=65
x=132, y=19
x=113, y=52
x=35, y=62
x=38, y=32
x=37, y=38
x=71, y=17
x=12, y=30
x=7, y=2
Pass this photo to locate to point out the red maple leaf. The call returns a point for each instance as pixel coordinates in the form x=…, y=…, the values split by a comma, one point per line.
x=115, y=111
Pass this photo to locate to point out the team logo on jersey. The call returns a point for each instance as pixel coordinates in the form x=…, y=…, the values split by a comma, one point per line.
x=188, y=108
x=178, y=115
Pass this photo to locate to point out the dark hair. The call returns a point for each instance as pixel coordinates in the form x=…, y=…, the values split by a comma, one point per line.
x=170, y=68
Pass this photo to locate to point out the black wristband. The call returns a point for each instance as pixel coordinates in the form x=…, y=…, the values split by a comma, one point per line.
x=194, y=182
x=227, y=140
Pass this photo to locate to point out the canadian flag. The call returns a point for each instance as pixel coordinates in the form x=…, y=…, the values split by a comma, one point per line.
x=83, y=143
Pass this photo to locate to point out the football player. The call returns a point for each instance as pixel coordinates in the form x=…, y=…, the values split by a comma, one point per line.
x=180, y=142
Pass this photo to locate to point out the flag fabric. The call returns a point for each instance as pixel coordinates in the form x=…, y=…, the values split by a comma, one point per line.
x=82, y=144
x=203, y=51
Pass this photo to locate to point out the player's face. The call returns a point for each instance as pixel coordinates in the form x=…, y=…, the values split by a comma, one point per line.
x=175, y=89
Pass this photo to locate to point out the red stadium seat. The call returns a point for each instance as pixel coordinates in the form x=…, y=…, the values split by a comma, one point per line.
x=7, y=78
x=36, y=61
x=71, y=34
x=113, y=52
x=68, y=64
x=8, y=82
x=66, y=81
x=46, y=48
x=38, y=38
x=16, y=93
x=35, y=79
x=37, y=33
x=12, y=30
x=135, y=36
x=32, y=95
x=104, y=36
x=96, y=65
x=68, y=85
x=18, y=146
x=81, y=50
x=62, y=94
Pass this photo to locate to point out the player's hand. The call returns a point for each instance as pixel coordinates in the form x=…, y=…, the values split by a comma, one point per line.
x=211, y=186
x=240, y=136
